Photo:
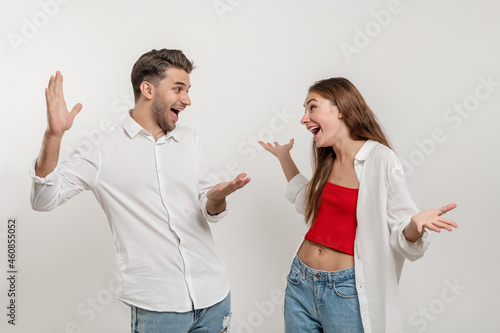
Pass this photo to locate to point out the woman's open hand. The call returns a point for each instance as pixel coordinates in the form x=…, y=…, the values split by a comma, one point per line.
x=277, y=150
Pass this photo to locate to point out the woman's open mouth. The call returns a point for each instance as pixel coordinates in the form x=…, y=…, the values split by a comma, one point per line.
x=314, y=130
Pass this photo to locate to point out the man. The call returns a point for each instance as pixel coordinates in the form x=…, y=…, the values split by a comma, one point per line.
x=152, y=180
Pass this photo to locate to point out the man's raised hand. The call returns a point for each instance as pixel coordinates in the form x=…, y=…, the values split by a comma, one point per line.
x=59, y=119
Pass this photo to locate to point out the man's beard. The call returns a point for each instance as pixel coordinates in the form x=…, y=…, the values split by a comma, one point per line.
x=160, y=114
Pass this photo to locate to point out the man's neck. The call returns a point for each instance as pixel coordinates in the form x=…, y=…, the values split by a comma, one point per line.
x=144, y=118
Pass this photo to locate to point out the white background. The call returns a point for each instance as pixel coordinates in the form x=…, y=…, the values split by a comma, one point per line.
x=255, y=61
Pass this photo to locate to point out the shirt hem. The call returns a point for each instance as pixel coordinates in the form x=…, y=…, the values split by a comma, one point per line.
x=337, y=248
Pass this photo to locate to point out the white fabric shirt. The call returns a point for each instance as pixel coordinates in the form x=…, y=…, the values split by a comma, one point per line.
x=154, y=196
x=384, y=209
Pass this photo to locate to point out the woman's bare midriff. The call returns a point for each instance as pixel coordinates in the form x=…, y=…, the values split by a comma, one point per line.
x=323, y=258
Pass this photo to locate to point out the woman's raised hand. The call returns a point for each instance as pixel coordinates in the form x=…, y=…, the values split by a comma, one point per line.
x=433, y=219
x=277, y=150
x=282, y=152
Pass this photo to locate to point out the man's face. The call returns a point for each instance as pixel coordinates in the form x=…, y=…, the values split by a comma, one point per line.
x=171, y=97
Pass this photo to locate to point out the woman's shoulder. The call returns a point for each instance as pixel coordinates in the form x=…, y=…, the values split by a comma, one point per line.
x=375, y=150
x=382, y=156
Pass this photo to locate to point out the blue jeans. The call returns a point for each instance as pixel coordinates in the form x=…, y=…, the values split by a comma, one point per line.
x=213, y=319
x=320, y=301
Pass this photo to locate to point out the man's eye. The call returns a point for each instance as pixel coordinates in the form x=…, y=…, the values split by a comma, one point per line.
x=177, y=89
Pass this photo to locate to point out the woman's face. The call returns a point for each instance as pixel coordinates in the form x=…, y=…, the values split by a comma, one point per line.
x=323, y=119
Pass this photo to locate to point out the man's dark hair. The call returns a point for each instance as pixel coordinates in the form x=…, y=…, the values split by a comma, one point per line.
x=151, y=67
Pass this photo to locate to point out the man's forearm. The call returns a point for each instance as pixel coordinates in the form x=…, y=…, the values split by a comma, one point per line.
x=215, y=207
x=49, y=155
x=216, y=196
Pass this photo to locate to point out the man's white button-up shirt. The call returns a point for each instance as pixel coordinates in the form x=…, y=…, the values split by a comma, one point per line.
x=154, y=196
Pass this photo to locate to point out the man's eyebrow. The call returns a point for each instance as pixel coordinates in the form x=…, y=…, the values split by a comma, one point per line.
x=312, y=99
x=181, y=83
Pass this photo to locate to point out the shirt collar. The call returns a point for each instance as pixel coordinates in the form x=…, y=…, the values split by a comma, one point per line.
x=174, y=134
x=133, y=128
x=365, y=150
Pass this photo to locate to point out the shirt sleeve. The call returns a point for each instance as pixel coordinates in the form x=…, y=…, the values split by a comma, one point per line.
x=400, y=209
x=296, y=192
x=68, y=179
x=206, y=181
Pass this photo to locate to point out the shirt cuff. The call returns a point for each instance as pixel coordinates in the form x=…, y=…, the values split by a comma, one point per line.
x=414, y=250
x=50, y=179
x=212, y=218
x=294, y=186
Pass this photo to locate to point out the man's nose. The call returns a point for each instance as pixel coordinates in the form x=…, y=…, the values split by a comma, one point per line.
x=186, y=100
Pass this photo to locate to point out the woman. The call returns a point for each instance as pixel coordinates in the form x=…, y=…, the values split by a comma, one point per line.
x=345, y=275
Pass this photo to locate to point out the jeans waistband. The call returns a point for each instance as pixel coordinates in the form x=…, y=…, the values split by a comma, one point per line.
x=322, y=275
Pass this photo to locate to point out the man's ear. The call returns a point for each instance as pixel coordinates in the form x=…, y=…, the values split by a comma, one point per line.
x=147, y=89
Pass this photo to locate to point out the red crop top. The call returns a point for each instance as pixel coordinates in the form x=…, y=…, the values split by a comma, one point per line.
x=335, y=226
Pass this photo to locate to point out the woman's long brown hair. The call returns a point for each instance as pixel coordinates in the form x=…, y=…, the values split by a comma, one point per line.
x=361, y=122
